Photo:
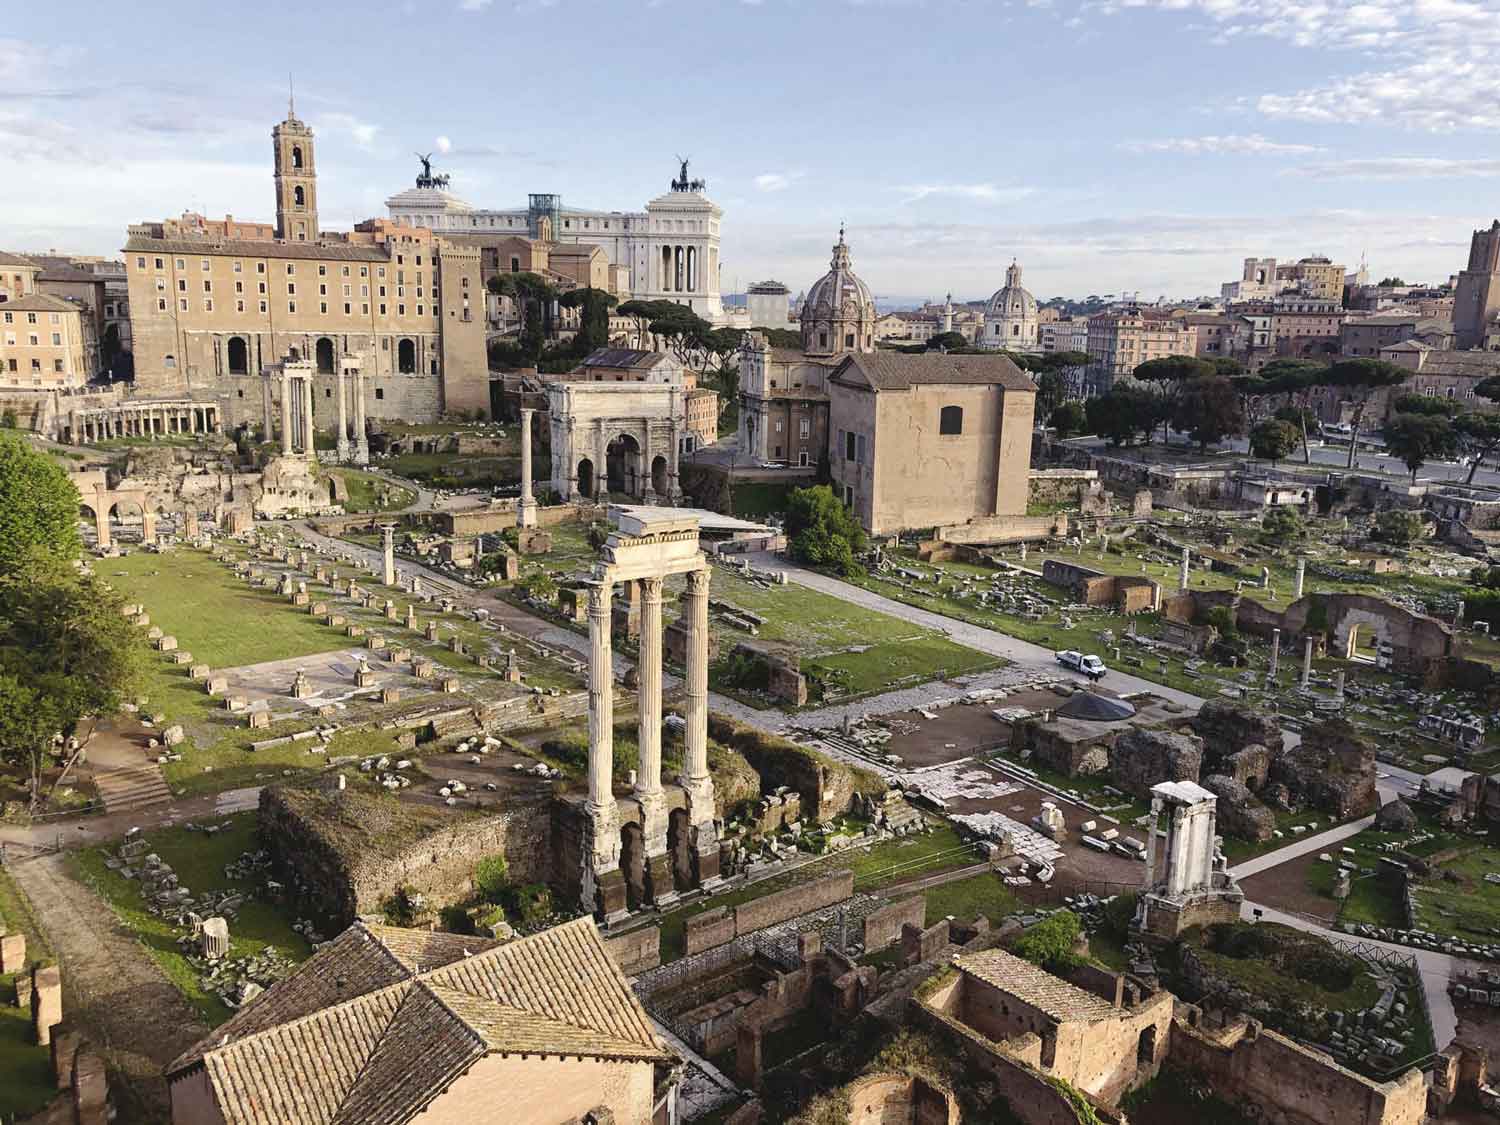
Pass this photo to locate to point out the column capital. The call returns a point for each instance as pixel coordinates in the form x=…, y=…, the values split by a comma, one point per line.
x=697, y=579
x=651, y=588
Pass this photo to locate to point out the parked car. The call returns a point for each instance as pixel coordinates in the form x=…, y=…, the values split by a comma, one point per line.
x=1090, y=666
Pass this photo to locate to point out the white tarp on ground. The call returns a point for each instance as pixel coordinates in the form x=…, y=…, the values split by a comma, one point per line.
x=710, y=523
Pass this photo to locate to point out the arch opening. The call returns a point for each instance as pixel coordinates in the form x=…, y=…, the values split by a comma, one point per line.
x=622, y=465
x=586, y=478
x=323, y=354
x=238, y=354
x=406, y=357
x=659, y=476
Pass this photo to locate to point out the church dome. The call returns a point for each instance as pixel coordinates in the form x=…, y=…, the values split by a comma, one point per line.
x=1010, y=318
x=838, y=313
x=1013, y=300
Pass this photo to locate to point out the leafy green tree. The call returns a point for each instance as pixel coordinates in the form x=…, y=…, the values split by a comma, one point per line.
x=1298, y=380
x=534, y=297
x=1050, y=942
x=1360, y=379
x=1051, y=392
x=784, y=338
x=1425, y=404
x=821, y=531
x=1068, y=418
x=1227, y=366
x=949, y=342
x=1281, y=524
x=1209, y=410
x=593, y=320
x=1273, y=440
x=1171, y=374
x=1479, y=436
x=1396, y=281
x=1397, y=528
x=1124, y=412
x=66, y=651
x=1418, y=438
x=7, y=419
x=38, y=505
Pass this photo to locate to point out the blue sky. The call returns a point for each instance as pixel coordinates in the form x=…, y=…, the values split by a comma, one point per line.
x=1109, y=145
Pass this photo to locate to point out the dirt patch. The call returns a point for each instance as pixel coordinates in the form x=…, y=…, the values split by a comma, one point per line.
x=112, y=990
x=1285, y=887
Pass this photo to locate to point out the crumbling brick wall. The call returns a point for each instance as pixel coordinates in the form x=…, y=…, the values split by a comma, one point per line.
x=1140, y=759
x=1240, y=814
x=827, y=787
x=1332, y=770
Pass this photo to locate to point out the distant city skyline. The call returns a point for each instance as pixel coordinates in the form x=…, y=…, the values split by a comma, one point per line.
x=1108, y=145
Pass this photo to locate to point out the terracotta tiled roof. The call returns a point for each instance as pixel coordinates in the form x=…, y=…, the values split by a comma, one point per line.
x=38, y=302
x=382, y=1020
x=240, y=248
x=9, y=259
x=896, y=371
x=1033, y=985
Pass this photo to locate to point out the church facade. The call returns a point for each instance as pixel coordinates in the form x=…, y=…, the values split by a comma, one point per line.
x=905, y=440
x=214, y=302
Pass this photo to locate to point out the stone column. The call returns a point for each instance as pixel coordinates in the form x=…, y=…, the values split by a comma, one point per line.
x=341, y=381
x=311, y=448
x=286, y=415
x=1301, y=573
x=602, y=884
x=660, y=888
x=148, y=526
x=361, y=445
x=526, y=513
x=101, y=519
x=265, y=395
x=695, y=777
x=1307, y=649
x=1275, y=652
x=1338, y=685
x=1182, y=573
x=388, y=554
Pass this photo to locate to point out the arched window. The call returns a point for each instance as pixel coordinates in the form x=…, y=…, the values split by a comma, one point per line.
x=1015, y=329
x=169, y=362
x=239, y=356
x=406, y=357
x=951, y=420
x=297, y=157
x=323, y=354
x=298, y=197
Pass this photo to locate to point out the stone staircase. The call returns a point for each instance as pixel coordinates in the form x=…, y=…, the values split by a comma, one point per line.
x=134, y=786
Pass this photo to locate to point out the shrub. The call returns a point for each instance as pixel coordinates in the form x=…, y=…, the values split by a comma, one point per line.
x=1281, y=525
x=1222, y=619
x=401, y=907
x=1397, y=528
x=529, y=903
x=1049, y=943
x=456, y=920
x=491, y=878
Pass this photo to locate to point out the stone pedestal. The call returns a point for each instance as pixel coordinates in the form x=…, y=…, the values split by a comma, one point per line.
x=661, y=891
x=46, y=1002
x=12, y=953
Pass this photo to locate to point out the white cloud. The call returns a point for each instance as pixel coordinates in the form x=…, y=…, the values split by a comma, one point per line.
x=1251, y=144
x=776, y=181
x=986, y=193
x=443, y=144
x=362, y=132
x=473, y=5
x=1398, y=168
x=1438, y=73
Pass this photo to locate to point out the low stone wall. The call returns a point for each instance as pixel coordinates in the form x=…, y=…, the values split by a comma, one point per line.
x=636, y=951
x=1289, y=1084
x=1006, y=529
x=900, y=1098
x=1058, y=486
x=722, y=925
x=488, y=521
x=827, y=787
x=342, y=858
x=884, y=926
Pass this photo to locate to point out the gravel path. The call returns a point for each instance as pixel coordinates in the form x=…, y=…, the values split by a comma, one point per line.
x=111, y=987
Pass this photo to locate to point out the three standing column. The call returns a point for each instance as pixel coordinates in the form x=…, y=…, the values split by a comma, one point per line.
x=286, y=415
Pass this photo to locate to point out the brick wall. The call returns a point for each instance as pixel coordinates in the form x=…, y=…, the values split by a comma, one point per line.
x=884, y=926
x=637, y=950
x=724, y=924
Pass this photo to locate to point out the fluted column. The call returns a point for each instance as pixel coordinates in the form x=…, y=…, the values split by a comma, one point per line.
x=695, y=756
x=286, y=415
x=526, y=514
x=601, y=699
x=648, y=700
x=341, y=380
x=311, y=448
x=361, y=444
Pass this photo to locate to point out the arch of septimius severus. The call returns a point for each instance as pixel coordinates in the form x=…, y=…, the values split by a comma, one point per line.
x=648, y=547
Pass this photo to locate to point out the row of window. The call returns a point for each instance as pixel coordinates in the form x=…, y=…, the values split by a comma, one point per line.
x=34, y=339
x=260, y=267
x=31, y=318
x=36, y=366
x=291, y=307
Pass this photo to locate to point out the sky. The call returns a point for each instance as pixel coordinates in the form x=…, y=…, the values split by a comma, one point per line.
x=1109, y=146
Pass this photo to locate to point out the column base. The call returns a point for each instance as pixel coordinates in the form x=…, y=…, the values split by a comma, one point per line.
x=660, y=889
x=361, y=455
x=609, y=894
x=343, y=451
x=526, y=513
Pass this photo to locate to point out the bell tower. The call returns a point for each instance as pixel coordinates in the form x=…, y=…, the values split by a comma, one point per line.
x=296, y=180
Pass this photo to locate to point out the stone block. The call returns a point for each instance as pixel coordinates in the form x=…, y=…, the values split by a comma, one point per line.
x=301, y=598
x=259, y=719
x=65, y=1044
x=166, y=644
x=154, y=633
x=46, y=1002
x=216, y=685
x=90, y=1089
x=390, y=695
x=198, y=672
x=318, y=609
x=334, y=620
x=12, y=953
x=423, y=669
x=450, y=685
x=180, y=657
x=355, y=631
x=375, y=642
x=398, y=655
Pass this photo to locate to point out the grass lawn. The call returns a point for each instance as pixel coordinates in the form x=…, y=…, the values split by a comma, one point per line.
x=25, y=1068
x=221, y=620
x=1272, y=979
x=753, y=500
x=1373, y=899
x=364, y=493
x=1469, y=907
x=966, y=899
x=908, y=857
x=199, y=861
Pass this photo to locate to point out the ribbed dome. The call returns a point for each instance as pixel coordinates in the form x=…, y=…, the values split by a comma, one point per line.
x=1013, y=300
x=838, y=313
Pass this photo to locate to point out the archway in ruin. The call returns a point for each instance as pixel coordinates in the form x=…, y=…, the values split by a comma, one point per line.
x=586, y=478
x=659, y=481
x=679, y=847
x=633, y=864
x=622, y=466
x=323, y=353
